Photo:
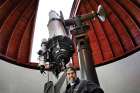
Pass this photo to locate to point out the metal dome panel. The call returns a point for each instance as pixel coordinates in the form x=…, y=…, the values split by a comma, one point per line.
x=17, y=19
x=118, y=36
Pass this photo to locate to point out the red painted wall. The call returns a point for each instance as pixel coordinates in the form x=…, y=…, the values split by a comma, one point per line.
x=118, y=36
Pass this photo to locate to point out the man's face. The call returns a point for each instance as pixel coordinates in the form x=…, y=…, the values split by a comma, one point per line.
x=71, y=75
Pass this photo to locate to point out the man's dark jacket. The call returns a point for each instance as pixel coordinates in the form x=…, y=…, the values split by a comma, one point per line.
x=83, y=86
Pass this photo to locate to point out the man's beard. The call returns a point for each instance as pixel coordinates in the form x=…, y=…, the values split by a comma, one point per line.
x=72, y=81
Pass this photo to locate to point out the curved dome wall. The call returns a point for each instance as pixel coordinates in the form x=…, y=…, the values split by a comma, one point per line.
x=17, y=19
x=118, y=36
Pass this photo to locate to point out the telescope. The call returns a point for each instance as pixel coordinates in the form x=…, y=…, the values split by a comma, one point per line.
x=59, y=48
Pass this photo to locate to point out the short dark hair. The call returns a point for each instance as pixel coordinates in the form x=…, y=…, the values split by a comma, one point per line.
x=71, y=68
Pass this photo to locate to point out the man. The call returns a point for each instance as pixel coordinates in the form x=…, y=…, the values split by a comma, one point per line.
x=80, y=86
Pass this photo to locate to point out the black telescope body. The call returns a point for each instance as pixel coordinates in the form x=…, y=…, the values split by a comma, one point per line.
x=59, y=47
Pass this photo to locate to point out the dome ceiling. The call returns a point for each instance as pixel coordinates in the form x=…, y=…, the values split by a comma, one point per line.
x=17, y=18
x=116, y=38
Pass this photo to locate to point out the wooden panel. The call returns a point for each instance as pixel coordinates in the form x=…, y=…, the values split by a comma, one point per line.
x=9, y=24
x=128, y=22
x=120, y=29
x=16, y=31
x=6, y=8
x=101, y=34
x=23, y=54
x=94, y=44
x=132, y=9
x=136, y=2
x=15, y=40
x=2, y=1
x=118, y=36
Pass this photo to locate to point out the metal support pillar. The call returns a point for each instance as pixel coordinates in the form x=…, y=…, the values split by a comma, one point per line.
x=87, y=69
